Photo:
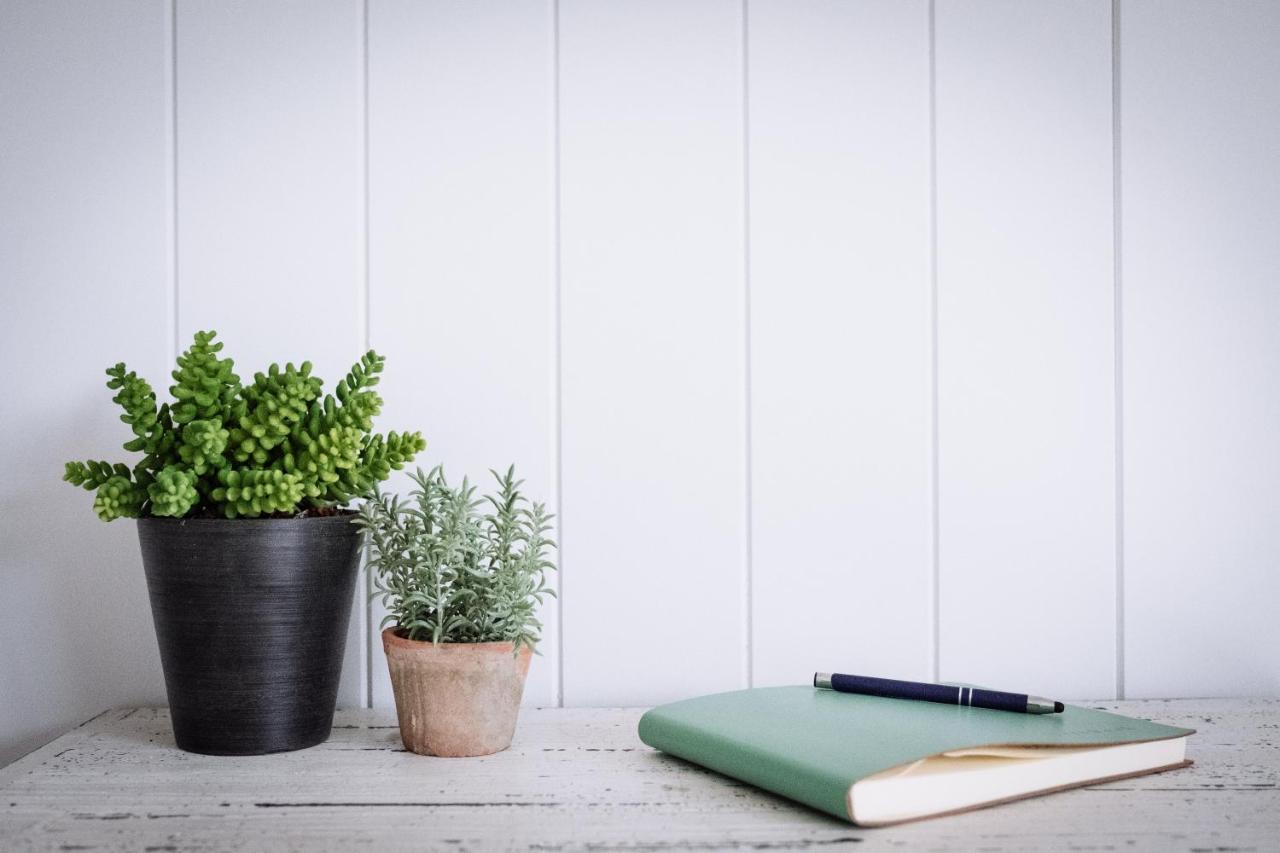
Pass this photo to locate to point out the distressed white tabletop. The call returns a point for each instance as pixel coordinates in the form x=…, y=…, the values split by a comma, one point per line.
x=581, y=780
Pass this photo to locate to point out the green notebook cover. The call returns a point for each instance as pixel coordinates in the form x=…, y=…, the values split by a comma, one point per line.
x=811, y=745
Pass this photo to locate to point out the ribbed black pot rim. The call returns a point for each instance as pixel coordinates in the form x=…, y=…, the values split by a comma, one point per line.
x=345, y=517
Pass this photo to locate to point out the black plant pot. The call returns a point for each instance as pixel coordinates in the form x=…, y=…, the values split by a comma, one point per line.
x=251, y=616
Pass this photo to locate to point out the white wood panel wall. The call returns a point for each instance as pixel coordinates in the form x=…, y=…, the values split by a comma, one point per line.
x=1026, y=414
x=653, y=349
x=85, y=275
x=810, y=317
x=841, y=350
x=1200, y=167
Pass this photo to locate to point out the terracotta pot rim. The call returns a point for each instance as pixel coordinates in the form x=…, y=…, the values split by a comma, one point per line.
x=390, y=637
x=342, y=518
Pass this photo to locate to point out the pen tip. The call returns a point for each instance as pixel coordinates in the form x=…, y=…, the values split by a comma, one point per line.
x=1058, y=707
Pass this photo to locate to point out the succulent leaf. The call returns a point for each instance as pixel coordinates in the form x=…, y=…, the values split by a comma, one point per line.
x=118, y=497
x=205, y=385
x=202, y=444
x=274, y=446
x=251, y=492
x=173, y=492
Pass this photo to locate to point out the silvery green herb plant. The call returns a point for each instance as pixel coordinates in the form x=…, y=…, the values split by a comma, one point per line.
x=454, y=568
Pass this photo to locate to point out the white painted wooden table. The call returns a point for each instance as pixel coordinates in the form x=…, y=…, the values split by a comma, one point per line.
x=581, y=780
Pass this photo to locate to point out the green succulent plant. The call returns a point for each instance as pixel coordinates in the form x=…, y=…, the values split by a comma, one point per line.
x=450, y=573
x=276, y=446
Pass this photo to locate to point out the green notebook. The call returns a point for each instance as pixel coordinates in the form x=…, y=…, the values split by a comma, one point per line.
x=877, y=761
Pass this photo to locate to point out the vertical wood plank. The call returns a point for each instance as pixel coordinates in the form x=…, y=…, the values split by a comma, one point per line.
x=1026, y=345
x=83, y=267
x=653, y=349
x=841, y=344
x=1200, y=167
x=270, y=195
x=462, y=229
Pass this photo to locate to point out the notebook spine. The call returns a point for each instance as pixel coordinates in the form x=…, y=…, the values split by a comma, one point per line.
x=781, y=774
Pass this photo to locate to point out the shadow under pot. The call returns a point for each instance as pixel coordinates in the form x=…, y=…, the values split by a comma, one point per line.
x=251, y=618
x=455, y=699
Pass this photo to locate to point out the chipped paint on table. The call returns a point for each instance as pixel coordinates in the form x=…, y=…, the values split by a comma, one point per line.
x=579, y=779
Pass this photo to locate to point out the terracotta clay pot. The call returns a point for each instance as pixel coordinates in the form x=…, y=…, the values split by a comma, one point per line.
x=455, y=699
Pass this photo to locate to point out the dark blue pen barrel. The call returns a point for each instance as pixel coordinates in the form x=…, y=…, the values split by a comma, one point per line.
x=976, y=697
x=998, y=700
x=893, y=689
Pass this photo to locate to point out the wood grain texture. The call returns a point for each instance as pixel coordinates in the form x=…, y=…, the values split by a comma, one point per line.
x=653, y=350
x=270, y=210
x=841, y=346
x=84, y=282
x=1200, y=167
x=579, y=779
x=1026, y=393
x=461, y=250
